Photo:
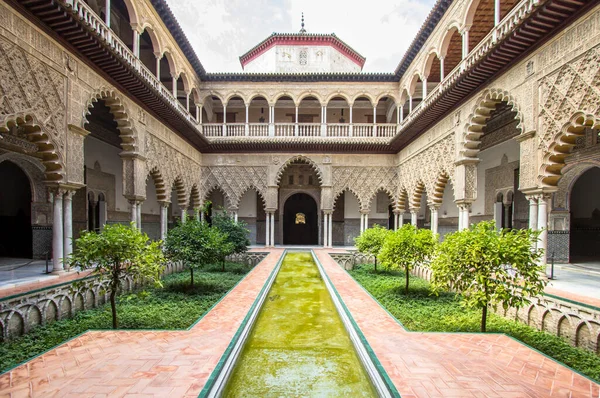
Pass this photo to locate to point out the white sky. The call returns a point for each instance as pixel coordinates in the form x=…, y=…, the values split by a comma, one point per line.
x=222, y=30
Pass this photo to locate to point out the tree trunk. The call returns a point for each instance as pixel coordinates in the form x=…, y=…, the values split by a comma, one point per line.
x=407, y=276
x=113, y=307
x=192, y=276
x=376, y=264
x=483, y=318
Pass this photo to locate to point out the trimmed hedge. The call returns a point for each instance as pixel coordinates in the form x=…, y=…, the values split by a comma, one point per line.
x=175, y=306
x=423, y=312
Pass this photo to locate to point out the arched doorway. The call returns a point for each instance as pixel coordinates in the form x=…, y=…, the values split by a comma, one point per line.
x=585, y=217
x=300, y=220
x=15, y=212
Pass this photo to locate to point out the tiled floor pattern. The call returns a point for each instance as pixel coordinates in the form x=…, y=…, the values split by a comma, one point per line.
x=454, y=365
x=139, y=363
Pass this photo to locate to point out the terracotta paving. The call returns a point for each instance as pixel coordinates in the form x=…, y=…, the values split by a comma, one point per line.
x=454, y=365
x=139, y=363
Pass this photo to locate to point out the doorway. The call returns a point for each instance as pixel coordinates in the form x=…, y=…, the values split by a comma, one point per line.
x=585, y=217
x=15, y=212
x=300, y=220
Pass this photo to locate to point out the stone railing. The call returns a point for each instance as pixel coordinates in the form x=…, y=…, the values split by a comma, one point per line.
x=262, y=130
x=23, y=312
x=81, y=10
x=577, y=323
x=517, y=15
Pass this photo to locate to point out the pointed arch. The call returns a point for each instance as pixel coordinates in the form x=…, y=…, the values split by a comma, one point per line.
x=302, y=159
x=482, y=110
x=373, y=195
x=120, y=113
x=250, y=187
x=51, y=158
x=339, y=193
x=229, y=201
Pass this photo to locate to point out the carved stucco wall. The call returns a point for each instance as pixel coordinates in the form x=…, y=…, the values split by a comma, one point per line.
x=42, y=80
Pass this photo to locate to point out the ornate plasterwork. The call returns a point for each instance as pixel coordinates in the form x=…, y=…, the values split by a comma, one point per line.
x=170, y=169
x=364, y=182
x=233, y=181
x=32, y=95
x=569, y=102
x=302, y=159
x=429, y=169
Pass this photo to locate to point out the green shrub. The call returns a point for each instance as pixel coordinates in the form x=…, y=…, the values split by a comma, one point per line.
x=421, y=311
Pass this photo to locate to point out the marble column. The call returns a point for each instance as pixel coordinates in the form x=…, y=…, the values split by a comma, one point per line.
x=197, y=214
x=330, y=229
x=414, y=216
x=133, y=212
x=183, y=214
x=273, y=229
x=68, y=223
x=533, y=211
x=434, y=219
x=325, y=229
x=139, y=215
x=57, y=231
x=164, y=208
x=401, y=219
x=267, y=229
x=543, y=225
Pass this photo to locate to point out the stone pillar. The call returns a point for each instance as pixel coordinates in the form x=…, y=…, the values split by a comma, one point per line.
x=267, y=229
x=183, y=214
x=174, y=86
x=133, y=211
x=158, y=58
x=330, y=229
x=396, y=217
x=375, y=120
x=187, y=101
x=136, y=43
x=164, y=208
x=533, y=211
x=401, y=219
x=107, y=13
x=442, y=69
x=57, y=231
x=414, y=216
x=139, y=215
x=463, y=215
x=401, y=111
x=273, y=229
x=247, y=127
x=434, y=219
x=365, y=218
x=68, y=223
x=424, y=88
x=296, y=127
x=543, y=225
x=496, y=12
x=325, y=229
x=465, y=42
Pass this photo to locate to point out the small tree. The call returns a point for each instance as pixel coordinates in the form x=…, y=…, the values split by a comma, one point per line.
x=489, y=267
x=371, y=241
x=405, y=247
x=119, y=251
x=237, y=235
x=195, y=243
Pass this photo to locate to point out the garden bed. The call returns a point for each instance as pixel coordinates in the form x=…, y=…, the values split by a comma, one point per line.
x=175, y=306
x=424, y=312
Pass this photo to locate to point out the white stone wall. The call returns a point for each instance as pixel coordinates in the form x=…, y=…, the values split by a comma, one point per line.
x=286, y=59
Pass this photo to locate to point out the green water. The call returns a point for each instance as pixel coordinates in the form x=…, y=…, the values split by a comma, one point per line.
x=299, y=346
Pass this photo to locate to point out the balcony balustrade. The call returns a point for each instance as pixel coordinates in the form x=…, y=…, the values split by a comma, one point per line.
x=359, y=130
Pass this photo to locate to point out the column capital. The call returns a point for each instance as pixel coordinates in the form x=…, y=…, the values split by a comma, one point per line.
x=134, y=198
x=364, y=211
x=164, y=203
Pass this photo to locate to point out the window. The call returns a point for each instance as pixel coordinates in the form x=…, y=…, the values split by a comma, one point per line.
x=300, y=218
x=303, y=57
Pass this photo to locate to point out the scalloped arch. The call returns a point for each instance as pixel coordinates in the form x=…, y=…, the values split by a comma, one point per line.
x=482, y=110
x=159, y=184
x=119, y=111
x=51, y=157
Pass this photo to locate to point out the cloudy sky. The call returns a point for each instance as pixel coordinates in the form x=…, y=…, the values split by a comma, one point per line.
x=222, y=30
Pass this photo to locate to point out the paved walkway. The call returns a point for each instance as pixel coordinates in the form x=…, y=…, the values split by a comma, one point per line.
x=450, y=364
x=140, y=363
